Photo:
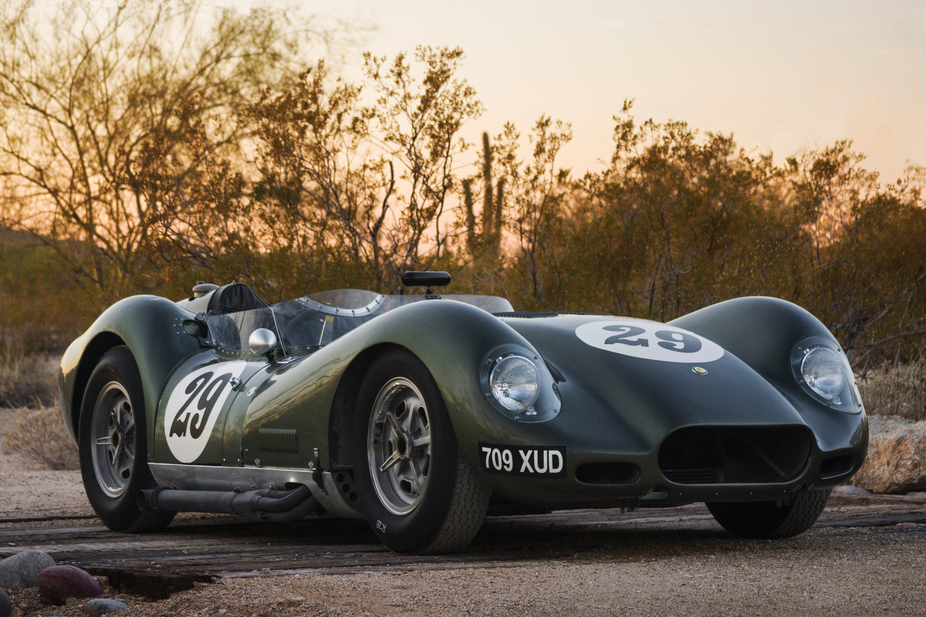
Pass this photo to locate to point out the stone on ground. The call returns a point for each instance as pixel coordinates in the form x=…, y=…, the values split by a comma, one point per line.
x=896, y=462
x=22, y=569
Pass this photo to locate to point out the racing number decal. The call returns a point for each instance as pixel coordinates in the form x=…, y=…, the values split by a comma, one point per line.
x=534, y=461
x=649, y=341
x=195, y=405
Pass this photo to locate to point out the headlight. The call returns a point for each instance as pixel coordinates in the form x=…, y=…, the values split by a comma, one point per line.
x=518, y=384
x=515, y=383
x=824, y=372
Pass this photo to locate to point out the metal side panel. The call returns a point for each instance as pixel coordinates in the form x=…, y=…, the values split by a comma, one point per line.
x=337, y=497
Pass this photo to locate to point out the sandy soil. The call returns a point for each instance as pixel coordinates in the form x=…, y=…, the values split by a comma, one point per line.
x=25, y=489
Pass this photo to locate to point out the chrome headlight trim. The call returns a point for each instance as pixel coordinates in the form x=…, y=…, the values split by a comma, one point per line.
x=517, y=383
x=823, y=372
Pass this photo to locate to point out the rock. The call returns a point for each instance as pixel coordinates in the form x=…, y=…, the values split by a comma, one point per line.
x=22, y=569
x=896, y=462
x=6, y=605
x=104, y=606
x=850, y=490
x=59, y=583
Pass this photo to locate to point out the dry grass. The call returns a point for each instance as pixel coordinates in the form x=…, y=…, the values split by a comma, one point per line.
x=899, y=391
x=26, y=380
x=40, y=435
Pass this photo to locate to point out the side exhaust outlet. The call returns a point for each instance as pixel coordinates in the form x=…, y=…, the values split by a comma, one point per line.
x=270, y=505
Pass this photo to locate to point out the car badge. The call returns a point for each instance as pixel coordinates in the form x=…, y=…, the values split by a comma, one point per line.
x=699, y=370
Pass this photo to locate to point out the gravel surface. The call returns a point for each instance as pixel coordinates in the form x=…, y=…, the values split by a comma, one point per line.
x=826, y=571
x=871, y=571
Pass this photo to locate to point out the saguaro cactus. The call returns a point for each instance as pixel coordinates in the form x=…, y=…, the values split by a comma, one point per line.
x=488, y=238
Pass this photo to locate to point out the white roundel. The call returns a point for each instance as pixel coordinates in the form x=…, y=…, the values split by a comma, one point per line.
x=195, y=405
x=649, y=340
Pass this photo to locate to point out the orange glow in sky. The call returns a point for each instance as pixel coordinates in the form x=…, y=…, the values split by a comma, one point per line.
x=780, y=76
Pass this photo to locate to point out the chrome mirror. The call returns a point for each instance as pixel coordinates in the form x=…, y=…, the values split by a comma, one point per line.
x=262, y=341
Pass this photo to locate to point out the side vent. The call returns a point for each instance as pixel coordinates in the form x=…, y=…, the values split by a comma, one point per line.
x=278, y=440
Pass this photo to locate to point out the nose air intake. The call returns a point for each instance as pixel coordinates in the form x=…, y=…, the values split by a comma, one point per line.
x=734, y=455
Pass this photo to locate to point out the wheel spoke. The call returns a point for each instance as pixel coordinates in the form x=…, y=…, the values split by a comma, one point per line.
x=125, y=470
x=394, y=424
x=407, y=419
x=420, y=442
x=392, y=460
x=117, y=457
x=117, y=414
x=417, y=478
x=129, y=423
x=105, y=441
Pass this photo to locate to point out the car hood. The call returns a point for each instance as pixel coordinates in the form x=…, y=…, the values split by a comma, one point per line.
x=652, y=395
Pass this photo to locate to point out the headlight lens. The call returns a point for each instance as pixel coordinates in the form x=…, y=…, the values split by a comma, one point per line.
x=824, y=372
x=515, y=383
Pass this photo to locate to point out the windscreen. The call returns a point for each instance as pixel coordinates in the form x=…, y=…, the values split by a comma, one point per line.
x=320, y=318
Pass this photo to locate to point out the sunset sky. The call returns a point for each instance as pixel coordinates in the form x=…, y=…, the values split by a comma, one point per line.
x=780, y=75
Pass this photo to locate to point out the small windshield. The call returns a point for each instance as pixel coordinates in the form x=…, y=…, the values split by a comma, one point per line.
x=317, y=319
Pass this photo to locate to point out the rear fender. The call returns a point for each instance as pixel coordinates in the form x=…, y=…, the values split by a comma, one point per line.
x=152, y=328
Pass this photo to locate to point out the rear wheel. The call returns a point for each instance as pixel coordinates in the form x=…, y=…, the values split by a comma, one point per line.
x=113, y=445
x=419, y=493
x=766, y=519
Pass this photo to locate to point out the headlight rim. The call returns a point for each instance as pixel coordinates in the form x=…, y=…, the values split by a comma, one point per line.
x=848, y=400
x=547, y=404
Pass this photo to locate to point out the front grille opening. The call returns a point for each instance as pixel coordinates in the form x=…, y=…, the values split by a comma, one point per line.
x=734, y=455
x=607, y=473
x=836, y=466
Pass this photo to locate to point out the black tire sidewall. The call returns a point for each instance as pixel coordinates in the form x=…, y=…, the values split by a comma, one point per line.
x=767, y=520
x=416, y=530
x=119, y=513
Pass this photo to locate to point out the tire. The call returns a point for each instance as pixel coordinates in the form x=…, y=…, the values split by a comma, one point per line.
x=419, y=493
x=113, y=445
x=765, y=519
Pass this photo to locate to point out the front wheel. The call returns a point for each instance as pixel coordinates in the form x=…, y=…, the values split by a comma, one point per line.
x=419, y=493
x=766, y=519
x=113, y=445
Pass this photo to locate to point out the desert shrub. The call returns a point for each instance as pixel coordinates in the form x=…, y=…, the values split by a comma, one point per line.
x=899, y=391
x=26, y=380
x=40, y=435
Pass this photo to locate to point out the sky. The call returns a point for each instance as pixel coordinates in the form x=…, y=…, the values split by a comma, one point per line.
x=781, y=76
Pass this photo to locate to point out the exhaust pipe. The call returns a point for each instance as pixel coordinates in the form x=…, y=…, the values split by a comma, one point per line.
x=266, y=504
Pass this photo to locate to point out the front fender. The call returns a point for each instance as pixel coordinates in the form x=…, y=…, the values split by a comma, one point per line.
x=763, y=332
x=450, y=338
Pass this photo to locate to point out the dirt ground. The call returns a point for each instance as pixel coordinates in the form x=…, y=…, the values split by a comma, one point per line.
x=670, y=568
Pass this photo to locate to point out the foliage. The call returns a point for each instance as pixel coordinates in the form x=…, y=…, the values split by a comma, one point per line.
x=358, y=188
x=111, y=87
x=40, y=435
x=898, y=391
x=25, y=378
x=37, y=308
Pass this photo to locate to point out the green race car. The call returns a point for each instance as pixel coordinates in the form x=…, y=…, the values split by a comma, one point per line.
x=419, y=412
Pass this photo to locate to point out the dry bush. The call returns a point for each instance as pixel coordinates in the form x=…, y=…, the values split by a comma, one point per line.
x=40, y=435
x=26, y=379
x=900, y=391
